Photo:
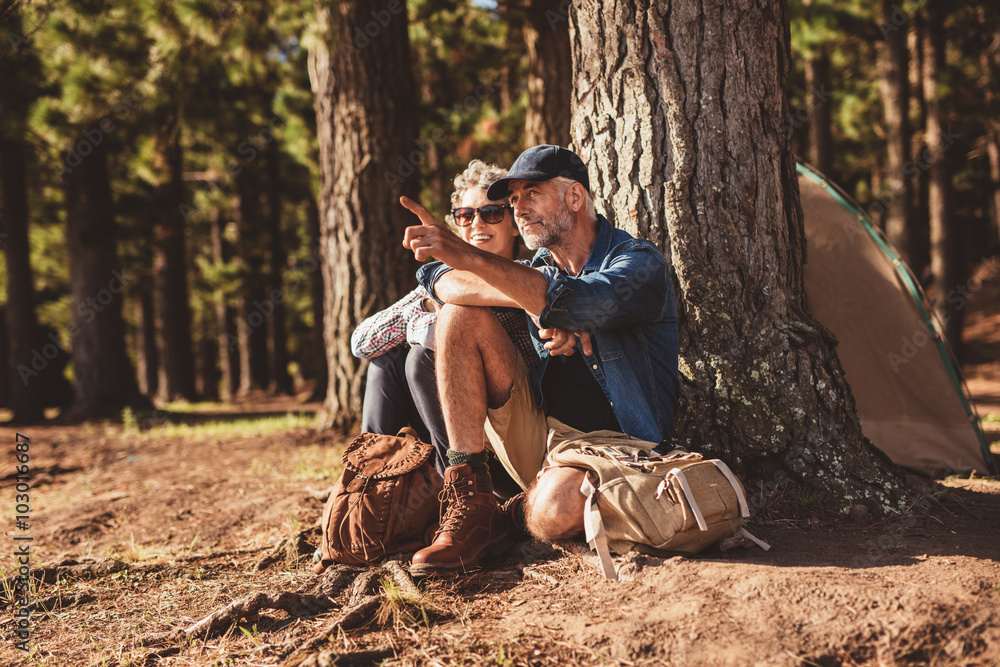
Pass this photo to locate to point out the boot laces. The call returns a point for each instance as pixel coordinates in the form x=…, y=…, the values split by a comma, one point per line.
x=454, y=504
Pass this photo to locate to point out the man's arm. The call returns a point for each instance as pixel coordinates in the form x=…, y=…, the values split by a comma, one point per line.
x=633, y=288
x=479, y=278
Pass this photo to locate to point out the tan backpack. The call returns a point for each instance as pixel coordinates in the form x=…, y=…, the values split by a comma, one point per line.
x=384, y=502
x=679, y=502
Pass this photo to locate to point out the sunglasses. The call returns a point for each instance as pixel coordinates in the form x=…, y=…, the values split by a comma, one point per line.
x=491, y=214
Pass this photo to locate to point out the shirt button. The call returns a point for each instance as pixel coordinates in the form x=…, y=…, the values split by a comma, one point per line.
x=595, y=367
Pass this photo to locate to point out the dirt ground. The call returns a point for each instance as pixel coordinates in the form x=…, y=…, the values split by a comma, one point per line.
x=142, y=527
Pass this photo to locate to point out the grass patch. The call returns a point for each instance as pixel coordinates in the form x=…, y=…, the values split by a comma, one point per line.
x=253, y=427
x=401, y=608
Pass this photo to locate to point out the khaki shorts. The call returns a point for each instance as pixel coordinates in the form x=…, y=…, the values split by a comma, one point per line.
x=517, y=431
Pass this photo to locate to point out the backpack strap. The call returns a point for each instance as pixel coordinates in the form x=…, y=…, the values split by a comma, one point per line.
x=594, y=530
x=724, y=469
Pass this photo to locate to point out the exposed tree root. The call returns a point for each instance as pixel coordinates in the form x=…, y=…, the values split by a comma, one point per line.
x=351, y=618
x=251, y=605
x=402, y=578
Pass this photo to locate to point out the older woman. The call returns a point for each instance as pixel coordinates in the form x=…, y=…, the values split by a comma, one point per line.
x=399, y=341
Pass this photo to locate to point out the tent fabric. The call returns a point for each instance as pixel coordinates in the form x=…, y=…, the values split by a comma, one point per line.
x=904, y=388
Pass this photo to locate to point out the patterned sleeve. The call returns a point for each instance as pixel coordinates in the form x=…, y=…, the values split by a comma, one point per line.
x=387, y=328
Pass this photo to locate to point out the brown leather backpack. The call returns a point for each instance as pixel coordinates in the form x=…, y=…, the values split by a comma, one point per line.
x=384, y=502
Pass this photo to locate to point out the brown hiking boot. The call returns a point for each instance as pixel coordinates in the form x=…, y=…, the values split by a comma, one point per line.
x=513, y=510
x=472, y=525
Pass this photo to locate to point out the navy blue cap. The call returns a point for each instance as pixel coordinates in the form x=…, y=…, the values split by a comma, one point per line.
x=541, y=163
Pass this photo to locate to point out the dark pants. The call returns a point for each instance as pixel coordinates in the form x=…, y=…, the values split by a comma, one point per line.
x=402, y=391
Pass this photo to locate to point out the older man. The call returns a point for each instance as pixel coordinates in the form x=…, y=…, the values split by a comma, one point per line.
x=603, y=317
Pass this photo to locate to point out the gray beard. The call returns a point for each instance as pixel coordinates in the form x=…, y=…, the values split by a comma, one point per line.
x=552, y=232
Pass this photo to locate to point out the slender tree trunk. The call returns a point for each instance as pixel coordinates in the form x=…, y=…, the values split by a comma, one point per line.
x=946, y=264
x=550, y=73
x=688, y=148
x=277, y=258
x=993, y=151
x=894, y=86
x=253, y=305
x=208, y=366
x=148, y=366
x=364, y=121
x=318, y=354
x=27, y=362
x=511, y=83
x=991, y=72
x=229, y=353
x=920, y=243
x=104, y=379
x=173, y=311
x=4, y=356
x=818, y=95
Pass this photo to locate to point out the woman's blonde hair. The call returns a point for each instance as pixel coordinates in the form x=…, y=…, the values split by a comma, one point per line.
x=478, y=175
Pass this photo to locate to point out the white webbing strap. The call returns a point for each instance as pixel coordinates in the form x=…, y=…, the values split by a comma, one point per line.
x=678, y=474
x=594, y=530
x=724, y=469
x=743, y=532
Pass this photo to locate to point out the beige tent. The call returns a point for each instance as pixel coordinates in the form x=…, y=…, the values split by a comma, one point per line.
x=909, y=393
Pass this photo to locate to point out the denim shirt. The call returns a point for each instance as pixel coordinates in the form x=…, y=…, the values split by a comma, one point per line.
x=625, y=299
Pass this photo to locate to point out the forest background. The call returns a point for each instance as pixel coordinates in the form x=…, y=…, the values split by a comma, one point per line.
x=161, y=162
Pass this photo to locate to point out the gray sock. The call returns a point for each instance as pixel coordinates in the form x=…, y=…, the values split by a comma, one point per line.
x=477, y=460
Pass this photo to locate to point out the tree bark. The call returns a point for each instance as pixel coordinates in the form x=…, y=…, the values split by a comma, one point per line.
x=364, y=117
x=173, y=311
x=550, y=73
x=894, y=86
x=818, y=94
x=104, y=380
x=277, y=258
x=27, y=361
x=946, y=264
x=679, y=112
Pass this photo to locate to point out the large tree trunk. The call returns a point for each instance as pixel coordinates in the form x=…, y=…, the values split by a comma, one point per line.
x=27, y=361
x=104, y=379
x=173, y=311
x=277, y=258
x=946, y=264
x=550, y=73
x=24, y=362
x=818, y=94
x=894, y=86
x=365, y=120
x=679, y=112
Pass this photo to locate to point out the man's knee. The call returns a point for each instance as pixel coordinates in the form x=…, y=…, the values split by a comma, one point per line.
x=465, y=321
x=554, y=505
